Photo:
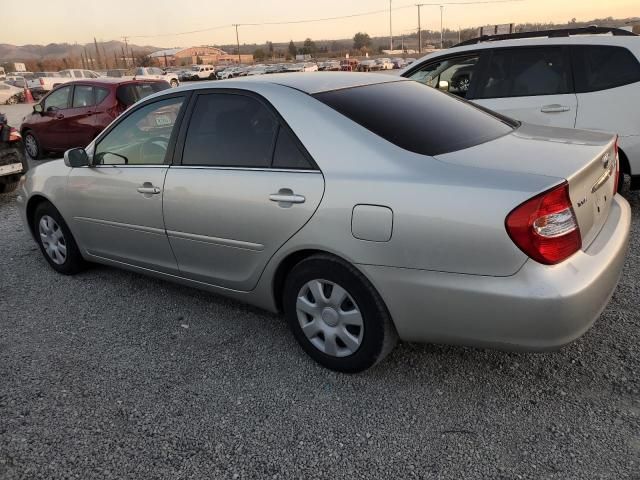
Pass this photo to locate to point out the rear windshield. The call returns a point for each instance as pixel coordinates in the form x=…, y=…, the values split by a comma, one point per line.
x=130, y=93
x=416, y=117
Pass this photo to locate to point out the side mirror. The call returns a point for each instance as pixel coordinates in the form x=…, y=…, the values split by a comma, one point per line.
x=76, y=157
x=37, y=108
x=443, y=85
x=108, y=158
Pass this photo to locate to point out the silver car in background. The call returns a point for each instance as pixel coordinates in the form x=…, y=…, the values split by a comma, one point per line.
x=365, y=207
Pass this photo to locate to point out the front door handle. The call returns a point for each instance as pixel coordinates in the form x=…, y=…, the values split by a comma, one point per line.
x=555, y=108
x=148, y=189
x=285, y=197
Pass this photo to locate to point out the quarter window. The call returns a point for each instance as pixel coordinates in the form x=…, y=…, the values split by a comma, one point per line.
x=142, y=138
x=287, y=153
x=230, y=130
x=83, y=96
x=523, y=72
x=602, y=67
x=58, y=99
x=101, y=94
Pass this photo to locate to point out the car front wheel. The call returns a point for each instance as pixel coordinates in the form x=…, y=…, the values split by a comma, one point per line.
x=55, y=240
x=336, y=315
x=174, y=83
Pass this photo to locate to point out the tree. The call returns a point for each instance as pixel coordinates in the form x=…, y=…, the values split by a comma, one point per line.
x=292, y=49
x=361, y=41
x=198, y=60
x=98, y=60
x=259, y=54
x=143, y=60
x=309, y=47
x=270, y=48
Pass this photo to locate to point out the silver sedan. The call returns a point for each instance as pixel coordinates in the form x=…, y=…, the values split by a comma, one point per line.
x=365, y=207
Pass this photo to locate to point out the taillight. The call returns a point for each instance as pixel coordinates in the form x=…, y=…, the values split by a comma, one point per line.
x=545, y=227
x=617, y=158
x=14, y=135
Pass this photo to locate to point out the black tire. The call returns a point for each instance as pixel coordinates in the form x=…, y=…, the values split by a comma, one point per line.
x=74, y=263
x=34, y=150
x=174, y=83
x=379, y=336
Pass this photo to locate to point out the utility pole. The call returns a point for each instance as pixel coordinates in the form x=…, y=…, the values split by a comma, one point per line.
x=390, y=29
x=441, y=28
x=419, y=30
x=237, y=40
x=126, y=49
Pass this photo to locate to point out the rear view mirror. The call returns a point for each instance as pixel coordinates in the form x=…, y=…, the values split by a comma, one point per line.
x=76, y=157
x=37, y=108
x=443, y=85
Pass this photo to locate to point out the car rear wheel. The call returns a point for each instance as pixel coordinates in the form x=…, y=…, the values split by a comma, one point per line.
x=174, y=83
x=336, y=315
x=32, y=146
x=12, y=100
x=55, y=240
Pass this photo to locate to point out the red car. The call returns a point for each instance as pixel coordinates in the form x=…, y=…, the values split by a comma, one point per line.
x=74, y=113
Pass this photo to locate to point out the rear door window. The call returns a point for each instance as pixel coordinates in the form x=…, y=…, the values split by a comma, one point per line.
x=101, y=94
x=130, y=93
x=416, y=117
x=599, y=67
x=228, y=130
x=288, y=154
x=524, y=72
x=83, y=96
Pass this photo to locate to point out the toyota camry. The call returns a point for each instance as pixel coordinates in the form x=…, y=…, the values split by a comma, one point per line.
x=367, y=208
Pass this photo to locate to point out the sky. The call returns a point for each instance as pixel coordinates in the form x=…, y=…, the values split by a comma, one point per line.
x=163, y=22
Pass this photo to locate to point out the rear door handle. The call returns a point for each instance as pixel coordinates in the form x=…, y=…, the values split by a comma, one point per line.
x=283, y=198
x=555, y=108
x=149, y=190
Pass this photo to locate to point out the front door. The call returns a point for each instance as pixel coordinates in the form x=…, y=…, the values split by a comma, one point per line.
x=533, y=85
x=53, y=128
x=245, y=186
x=116, y=204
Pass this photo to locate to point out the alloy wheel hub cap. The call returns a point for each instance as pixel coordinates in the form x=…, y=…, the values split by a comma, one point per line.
x=52, y=239
x=330, y=318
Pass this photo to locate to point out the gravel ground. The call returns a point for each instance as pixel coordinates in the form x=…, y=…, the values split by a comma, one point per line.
x=110, y=374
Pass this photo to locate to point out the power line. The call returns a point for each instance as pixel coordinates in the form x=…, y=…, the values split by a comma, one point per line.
x=323, y=19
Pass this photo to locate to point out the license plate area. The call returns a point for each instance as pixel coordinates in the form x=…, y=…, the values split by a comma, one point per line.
x=11, y=168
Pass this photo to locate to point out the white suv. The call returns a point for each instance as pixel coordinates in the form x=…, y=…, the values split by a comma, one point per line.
x=577, y=78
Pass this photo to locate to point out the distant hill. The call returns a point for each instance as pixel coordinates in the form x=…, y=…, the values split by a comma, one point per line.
x=54, y=51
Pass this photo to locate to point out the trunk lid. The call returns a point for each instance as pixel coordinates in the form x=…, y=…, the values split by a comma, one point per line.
x=587, y=160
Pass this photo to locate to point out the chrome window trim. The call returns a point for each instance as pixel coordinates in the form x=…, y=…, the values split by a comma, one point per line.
x=252, y=169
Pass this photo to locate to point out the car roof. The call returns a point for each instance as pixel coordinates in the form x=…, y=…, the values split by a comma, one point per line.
x=312, y=83
x=631, y=42
x=108, y=81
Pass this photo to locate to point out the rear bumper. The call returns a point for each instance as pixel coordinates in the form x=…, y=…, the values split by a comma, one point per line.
x=539, y=308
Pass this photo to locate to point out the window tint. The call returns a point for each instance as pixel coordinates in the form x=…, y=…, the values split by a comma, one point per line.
x=130, y=93
x=58, y=99
x=415, y=117
x=101, y=94
x=230, y=131
x=142, y=138
x=458, y=72
x=602, y=67
x=287, y=153
x=83, y=96
x=522, y=72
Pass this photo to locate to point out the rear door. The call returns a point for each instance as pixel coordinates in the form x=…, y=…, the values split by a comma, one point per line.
x=531, y=84
x=79, y=120
x=245, y=185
